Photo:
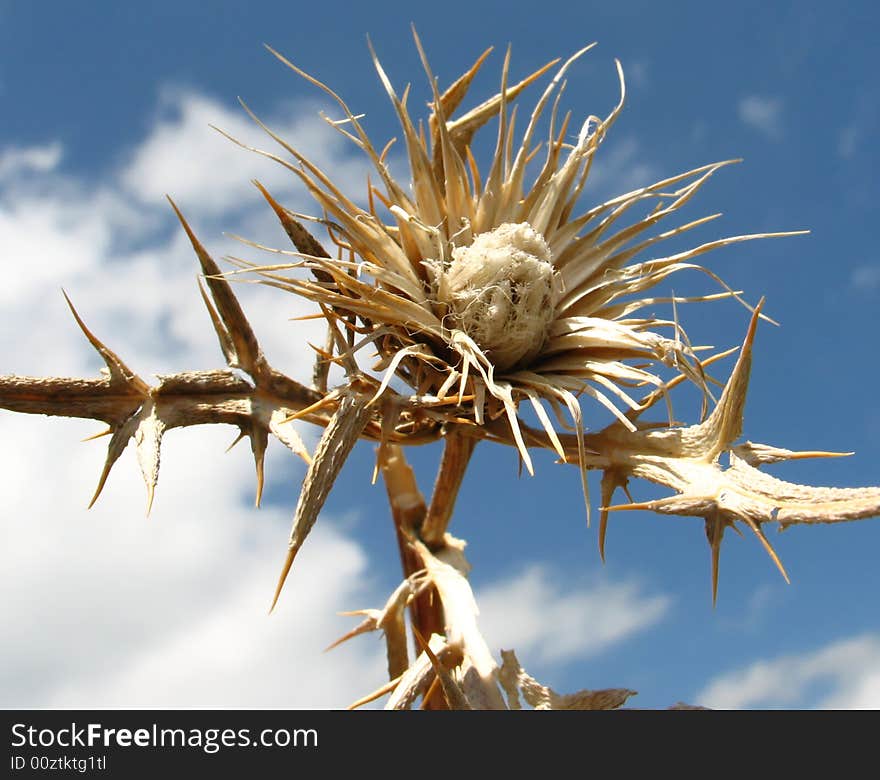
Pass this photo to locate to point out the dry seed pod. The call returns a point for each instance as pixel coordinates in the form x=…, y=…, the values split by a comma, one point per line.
x=502, y=291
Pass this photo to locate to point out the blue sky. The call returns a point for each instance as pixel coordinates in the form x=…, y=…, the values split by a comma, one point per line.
x=107, y=108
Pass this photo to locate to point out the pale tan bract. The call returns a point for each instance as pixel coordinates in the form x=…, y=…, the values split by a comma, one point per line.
x=478, y=293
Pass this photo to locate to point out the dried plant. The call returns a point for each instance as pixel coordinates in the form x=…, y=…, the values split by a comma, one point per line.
x=477, y=293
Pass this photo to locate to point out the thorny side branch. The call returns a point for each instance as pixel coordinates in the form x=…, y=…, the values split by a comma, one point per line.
x=685, y=459
x=264, y=401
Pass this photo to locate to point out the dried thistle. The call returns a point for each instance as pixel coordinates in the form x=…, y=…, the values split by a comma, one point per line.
x=478, y=292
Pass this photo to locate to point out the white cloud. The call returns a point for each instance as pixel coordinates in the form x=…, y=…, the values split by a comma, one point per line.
x=850, y=668
x=618, y=169
x=40, y=159
x=128, y=268
x=548, y=622
x=848, y=141
x=209, y=175
x=762, y=113
x=638, y=73
x=756, y=609
x=106, y=608
x=866, y=278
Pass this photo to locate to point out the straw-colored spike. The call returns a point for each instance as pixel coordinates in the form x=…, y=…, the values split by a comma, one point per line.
x=724, y=425
x=429, y=200
x=419, y=676
x=287, y=435
x=377, y=694
x=247, y=353
x=325, y=402
x=119, y=372
x=575, y=410
x=519, y=164
x=762, y=538
x=543, y=417
x=259, y=437
x=454, y=94
x=304, y=241
x=337, y=441
x=118, y=443
x=759, y=454
x=99, y=435
x=611, y=480
x=148, y=442
x=452, y=691
x=462, y=130
x=226, y=344
x=368, y=624
x=486, y=210
x=364, y=139
x=452, y=181
x=513, y=421
x=715, y=525
x=236, y=440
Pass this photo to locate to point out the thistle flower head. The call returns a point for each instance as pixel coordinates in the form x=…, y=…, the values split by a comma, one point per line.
x=502, y=291
x=481, y=291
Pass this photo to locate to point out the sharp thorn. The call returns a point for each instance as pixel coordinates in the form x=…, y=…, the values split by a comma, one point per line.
x=237, y=439
x=258, y=462
x=97, y=435
x=101, y=481
x=151, y=492
x=285, y=570
x=603, y=527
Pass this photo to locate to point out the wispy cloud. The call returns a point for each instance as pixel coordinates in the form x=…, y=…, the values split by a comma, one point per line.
x=547, y=621
x=201, y=168
x=866, y=278
x=848, y=141
x=620, y=166
x=762, y=113
x=106, y=608
x=842, y=675
x=638, y=73
x=757, y=609
x=115, y=248
x=41, y=159
x=860, y=127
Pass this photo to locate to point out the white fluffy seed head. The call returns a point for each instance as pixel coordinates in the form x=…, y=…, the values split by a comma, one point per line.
x=502, y=291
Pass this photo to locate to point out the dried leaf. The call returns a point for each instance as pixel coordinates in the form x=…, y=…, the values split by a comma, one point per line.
x=339, y=437
x=514, y=679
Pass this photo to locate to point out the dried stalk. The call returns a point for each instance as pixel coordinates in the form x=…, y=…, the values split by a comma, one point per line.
x=458, y=447
x=478, y=295
x=408, y=512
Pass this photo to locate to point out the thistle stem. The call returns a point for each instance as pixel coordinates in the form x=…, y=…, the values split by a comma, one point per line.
x=408, y=510
x=457, y=451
